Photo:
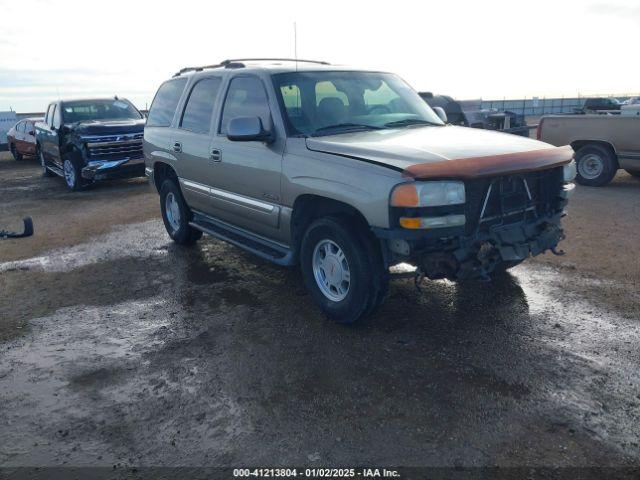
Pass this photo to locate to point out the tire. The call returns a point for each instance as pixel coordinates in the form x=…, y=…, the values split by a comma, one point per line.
x=344, y=299
x=634, y=173
x=45, y=170
x=16, y=156
x=596, y=165
x=176, y=215
x=72, y=175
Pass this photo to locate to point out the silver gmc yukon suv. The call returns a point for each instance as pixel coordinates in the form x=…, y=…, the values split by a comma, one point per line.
x=347, y=173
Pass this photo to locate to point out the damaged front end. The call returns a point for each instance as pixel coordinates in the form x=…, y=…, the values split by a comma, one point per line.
x=505, y=219
x=479, y=255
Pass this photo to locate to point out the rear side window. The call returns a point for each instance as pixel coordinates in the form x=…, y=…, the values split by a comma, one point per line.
x=199, y=108
x=165, y=103
x=246, y=98
x=20, y=127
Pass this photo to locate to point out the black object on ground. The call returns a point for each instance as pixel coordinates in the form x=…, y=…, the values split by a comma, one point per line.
x=27, y=232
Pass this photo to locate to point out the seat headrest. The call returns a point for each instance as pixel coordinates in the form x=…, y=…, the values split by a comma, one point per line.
x=331, y=110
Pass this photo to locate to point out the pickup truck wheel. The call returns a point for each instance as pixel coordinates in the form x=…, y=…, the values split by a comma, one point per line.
x=345, y=282
x=72, y=176
x=176, y=215
x=14, y=153
x=43, y=163
x=634, y=173
x=596, y=165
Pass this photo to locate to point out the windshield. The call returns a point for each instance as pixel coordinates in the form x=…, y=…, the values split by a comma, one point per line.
x=325, y=103
x=99, y=110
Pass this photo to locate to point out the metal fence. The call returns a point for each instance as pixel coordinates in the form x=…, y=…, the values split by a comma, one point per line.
x=536, y=106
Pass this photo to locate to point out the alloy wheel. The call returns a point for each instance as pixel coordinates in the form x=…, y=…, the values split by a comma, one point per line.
x=331, y=270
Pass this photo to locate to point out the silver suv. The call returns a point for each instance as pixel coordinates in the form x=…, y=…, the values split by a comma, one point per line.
x=346, y=172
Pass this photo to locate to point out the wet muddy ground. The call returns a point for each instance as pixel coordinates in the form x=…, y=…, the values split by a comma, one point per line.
x=118, y=347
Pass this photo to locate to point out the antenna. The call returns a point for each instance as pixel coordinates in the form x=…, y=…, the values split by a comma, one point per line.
x=295, y=43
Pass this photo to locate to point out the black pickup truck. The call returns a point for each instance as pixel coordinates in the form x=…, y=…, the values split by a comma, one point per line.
x=88, y=140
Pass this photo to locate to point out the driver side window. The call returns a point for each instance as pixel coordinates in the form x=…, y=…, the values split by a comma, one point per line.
x=57, y=117
x=246, y=97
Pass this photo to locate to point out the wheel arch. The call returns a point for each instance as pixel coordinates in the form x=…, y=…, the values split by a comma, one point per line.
x=161, y=172
x=310, y=207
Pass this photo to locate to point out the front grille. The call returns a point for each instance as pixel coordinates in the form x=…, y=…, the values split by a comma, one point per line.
x=511, y=199
x=115, y=147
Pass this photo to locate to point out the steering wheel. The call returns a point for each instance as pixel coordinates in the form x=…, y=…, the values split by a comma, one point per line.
x=379, y=110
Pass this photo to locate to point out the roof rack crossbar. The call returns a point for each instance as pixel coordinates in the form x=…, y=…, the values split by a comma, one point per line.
x=237, y=63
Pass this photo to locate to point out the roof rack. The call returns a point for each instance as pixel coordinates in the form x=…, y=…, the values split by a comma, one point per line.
x=237, y=63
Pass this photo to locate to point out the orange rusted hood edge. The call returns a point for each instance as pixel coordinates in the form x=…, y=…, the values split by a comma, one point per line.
x=493, y=165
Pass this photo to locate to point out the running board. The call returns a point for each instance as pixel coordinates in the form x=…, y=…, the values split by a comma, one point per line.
x=241, y=238
x=56, y=170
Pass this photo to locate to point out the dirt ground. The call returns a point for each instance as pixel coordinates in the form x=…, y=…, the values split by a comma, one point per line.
x=119, y=348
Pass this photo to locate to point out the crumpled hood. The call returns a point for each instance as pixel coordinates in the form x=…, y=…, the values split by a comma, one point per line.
x=107, y=127
x=429, y=151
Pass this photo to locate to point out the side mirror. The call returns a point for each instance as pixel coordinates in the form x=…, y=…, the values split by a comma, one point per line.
x=441, y=113
x=32, y=133
x=247, y=129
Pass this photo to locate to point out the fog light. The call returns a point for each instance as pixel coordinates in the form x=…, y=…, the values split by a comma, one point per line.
x=415, y=223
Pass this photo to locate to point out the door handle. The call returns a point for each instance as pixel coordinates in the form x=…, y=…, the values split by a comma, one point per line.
x=216, y=155
x=177, y=147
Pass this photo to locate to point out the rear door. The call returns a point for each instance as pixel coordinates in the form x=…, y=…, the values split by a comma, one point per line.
x=245, y=176
x=193, y=139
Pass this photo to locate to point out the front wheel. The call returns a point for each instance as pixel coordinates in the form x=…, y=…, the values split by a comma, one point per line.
x=596, y=165
x=176, y=215
x=72, y=176
x=339, y=270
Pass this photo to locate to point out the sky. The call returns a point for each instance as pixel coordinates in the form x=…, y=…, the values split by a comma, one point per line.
x=490, y=49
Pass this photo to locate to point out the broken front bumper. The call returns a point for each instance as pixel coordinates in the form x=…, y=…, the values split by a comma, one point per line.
x=103, y=170
x=450, y=253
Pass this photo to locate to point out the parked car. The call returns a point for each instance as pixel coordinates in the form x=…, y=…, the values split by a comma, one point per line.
x=88, y=140
x=21, y=138
x=600, y=104
x=346, y=172
x=603, y=144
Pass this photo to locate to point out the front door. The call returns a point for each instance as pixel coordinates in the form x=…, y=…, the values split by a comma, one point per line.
x=51, y=139
x=29, y=139
x=245, y=176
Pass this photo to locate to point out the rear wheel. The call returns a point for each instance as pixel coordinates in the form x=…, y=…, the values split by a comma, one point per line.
x=596, y=165
x=343, y=278
x=176, y=215
x=16, y=155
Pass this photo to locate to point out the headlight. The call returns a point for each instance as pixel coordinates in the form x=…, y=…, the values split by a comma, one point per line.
x=569, y=171
x=428, y=194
